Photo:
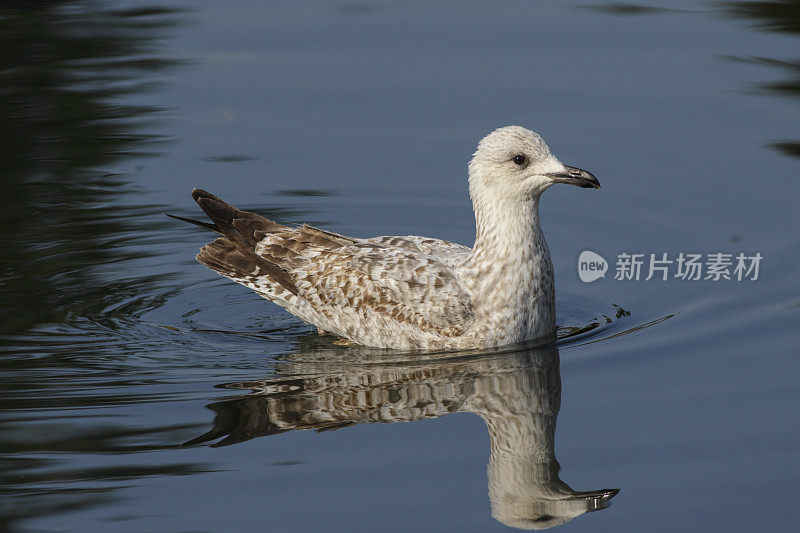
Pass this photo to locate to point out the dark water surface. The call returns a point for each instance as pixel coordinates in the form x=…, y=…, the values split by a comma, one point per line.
x=141, y=392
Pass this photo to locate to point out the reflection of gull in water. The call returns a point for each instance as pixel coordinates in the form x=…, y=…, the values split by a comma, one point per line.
x=413, y=292
x=517, y=394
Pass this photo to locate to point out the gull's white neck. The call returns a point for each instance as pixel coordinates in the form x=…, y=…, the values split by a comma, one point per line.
x=506, y=227
x=509, y=271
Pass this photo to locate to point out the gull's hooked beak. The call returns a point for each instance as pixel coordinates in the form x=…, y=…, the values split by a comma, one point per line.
x=575, y=176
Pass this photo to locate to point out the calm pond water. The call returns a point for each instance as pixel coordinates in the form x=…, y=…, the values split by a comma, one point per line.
x=141, y=392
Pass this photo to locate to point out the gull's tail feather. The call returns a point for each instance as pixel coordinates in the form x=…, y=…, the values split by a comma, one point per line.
x=233, y=255
x=239, y=226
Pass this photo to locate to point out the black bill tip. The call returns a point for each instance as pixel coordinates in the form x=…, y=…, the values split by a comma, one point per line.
x=576, y=176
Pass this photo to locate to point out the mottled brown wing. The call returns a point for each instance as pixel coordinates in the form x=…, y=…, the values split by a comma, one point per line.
x=331, y=271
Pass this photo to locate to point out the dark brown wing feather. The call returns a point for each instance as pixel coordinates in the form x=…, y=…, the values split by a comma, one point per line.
x=234, y=254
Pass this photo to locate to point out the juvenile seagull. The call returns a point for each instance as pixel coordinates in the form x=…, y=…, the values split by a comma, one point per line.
x=413, y=293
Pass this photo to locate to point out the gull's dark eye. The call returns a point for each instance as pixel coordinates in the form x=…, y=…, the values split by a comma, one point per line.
x=520, y=160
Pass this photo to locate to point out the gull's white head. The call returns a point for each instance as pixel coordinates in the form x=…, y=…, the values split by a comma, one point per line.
x=515, y=162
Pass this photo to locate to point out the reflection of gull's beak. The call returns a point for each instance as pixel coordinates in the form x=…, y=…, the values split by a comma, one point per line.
x=528, y=494
x=600, y=497
x=575, y=176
